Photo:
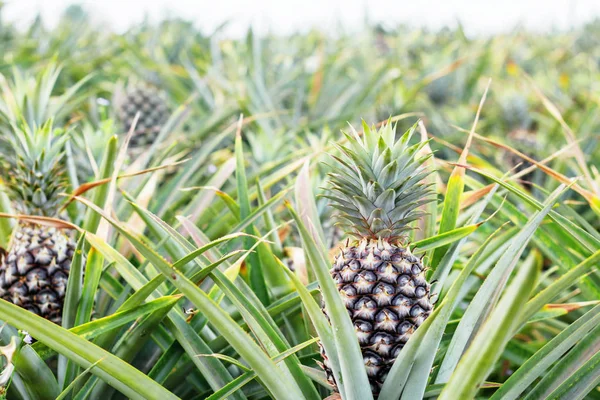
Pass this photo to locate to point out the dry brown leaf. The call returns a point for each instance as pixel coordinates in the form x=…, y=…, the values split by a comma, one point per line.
x=40, y=220
x=568, y=307
x=570, y=135
x=589, y=196
x=83, y=188
x=471, y=197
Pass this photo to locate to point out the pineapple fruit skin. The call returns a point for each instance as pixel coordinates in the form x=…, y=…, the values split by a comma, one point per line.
x=153, y=110
x=387, y=296
x=378, y=186
x=35, y=270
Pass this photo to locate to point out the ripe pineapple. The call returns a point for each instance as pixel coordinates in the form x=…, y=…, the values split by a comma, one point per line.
x=153, y=109
x=377, y=189
x=35, y=269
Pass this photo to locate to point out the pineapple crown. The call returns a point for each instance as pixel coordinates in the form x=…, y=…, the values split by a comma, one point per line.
x=31, y=151
x=30, y=97
x=33, y=168
x=377, y=183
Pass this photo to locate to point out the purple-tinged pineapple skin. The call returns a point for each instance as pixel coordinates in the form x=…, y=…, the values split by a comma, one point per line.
x=387, y=296
x=153, y=114
x=35, y=270
x=378, y=185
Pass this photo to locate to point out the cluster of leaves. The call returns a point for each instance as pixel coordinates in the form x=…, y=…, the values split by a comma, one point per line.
x=202, y=261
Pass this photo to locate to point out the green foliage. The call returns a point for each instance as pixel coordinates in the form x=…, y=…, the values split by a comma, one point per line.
x=203, y=259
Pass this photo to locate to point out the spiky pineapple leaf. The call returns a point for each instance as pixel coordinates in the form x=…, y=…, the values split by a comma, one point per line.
x=544, y=358
x=257, y=278
x=276, y=382
x=121, y=375
x=6, y=224
x=98, y=327
x=445, y=238
x=307, y=207
x=66, y=370
x=65, y=393
x=212, y=370
x=559, y=285
x=488, y=344
x=239, y=382
x=455, y=188
x=321, y=325
x=131, y=343
x=575, y=375
x=490, y=290
x=353, y=374
x=245, y=300
x=91, y=219
x=35, y=374
x=416, y=360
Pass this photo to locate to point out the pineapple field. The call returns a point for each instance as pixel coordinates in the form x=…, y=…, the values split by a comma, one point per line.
x=384, y=213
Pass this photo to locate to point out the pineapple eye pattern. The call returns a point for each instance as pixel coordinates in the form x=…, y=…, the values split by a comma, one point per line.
x=35, y=271
x=385, y=312
x=153, y=114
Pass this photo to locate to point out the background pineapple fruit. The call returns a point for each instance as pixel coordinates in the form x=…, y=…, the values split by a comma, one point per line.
x=377, y=188
x=35, y=268
x=521, y=134
x=153, y=109
x=440, y=91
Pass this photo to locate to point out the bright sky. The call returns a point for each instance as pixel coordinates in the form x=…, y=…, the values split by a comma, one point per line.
x=284, y=16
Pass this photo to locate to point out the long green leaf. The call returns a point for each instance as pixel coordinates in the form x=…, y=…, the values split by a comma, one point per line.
x=489, y=343
x=92, y=220
x=269, y=374
x=36, y=375
x=561, y=284
x=111, y=369
x=257, y=279
x=489, y=291
x=444, y=239
x=66, y=370
x=354, y=376
x=322, y=327
x=541, y=361
x=100, y=326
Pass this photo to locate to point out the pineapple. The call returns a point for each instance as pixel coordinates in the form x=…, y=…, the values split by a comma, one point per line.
x=521, y=134
x=440, y=90
x=515, y=112
x=153, y=109
x=35, y=269
x=377, y=188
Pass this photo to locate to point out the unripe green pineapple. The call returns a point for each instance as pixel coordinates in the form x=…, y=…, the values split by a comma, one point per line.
x=35, y=269
x=153, y=110
x=377, y=188
x=522, y=136
x=516, y=113
x=440, y=90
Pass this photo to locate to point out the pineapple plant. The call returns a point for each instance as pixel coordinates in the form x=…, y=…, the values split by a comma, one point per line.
x=377, y=189
x=516, y=112
x=185, y=308
x=440, y=90
x=35, y=268
x=153, y=111
x=521, y=133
